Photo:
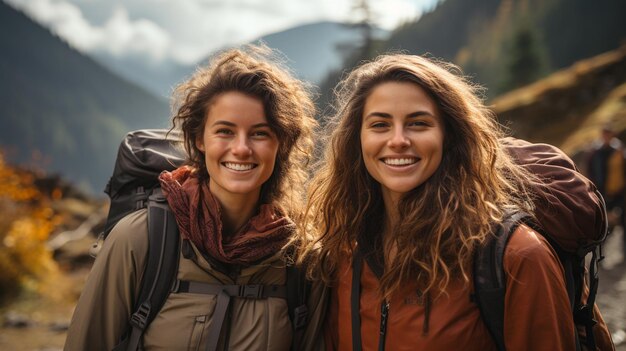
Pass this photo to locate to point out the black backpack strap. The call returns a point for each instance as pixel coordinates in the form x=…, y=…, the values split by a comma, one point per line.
x=250, y=291
x=224, y=294
x=489, y=277
x=583, y=312
x=355, y=300
x=161, y=267
x=219, y=315
x=573, y=274
x=298, y=290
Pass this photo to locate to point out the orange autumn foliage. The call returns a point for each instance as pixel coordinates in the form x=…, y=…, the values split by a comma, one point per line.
x=26, y=221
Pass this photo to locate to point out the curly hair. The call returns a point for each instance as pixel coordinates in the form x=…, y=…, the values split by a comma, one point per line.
x=254, y=71
x=446, y=217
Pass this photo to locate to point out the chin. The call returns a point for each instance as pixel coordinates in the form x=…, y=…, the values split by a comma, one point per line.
x=243, y=190
x=402, y=188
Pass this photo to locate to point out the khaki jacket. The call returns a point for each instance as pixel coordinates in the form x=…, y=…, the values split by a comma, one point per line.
x=104, y=307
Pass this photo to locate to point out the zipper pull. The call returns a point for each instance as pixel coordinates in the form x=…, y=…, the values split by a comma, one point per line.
x=95, y=248
x=384, y=314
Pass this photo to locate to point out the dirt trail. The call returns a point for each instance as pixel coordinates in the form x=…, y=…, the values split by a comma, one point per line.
x=39, y=323
x=612, y=291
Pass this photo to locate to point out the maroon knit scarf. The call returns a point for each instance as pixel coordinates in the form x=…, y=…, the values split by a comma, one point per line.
x=198, y=215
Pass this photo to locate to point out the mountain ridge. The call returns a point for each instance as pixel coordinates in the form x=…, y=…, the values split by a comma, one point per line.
x=311, y=51
x=61, y=104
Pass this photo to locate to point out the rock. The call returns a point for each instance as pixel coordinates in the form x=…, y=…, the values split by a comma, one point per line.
x=59, y=326
x=619, y=337
x=16, y=320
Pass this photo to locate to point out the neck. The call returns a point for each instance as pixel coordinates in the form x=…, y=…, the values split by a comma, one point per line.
x=391, y=209
x=235, y=214
x=391, y=219
x=237, y=209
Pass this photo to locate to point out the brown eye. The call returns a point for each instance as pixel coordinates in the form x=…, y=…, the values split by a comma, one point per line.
x=379, y=125
x=418, y=124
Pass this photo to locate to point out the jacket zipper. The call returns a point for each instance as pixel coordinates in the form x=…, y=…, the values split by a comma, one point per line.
x=384, y=314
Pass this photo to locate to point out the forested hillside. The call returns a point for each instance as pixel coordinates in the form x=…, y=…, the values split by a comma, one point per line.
x=506, y=44
x=569, y=107
x=60, y=110
x=509, y=43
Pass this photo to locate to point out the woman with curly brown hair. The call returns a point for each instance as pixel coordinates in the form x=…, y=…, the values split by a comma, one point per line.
x=247, y=128
x=412, y=180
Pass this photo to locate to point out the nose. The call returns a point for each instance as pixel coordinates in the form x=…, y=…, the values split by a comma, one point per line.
x=398, y=139
x=241, y=146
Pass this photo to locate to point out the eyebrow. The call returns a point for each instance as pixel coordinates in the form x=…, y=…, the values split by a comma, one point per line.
x=231, y=124
x=410, y=115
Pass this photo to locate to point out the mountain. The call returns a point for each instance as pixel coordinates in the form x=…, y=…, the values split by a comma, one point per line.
x=159, y=78
x=315, y=49
x=310, y=50
x=444, y=30
x=569, y=107
x=505, y=44
x=61, y=111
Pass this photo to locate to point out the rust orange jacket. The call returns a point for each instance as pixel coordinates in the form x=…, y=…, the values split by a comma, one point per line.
x=537, y=312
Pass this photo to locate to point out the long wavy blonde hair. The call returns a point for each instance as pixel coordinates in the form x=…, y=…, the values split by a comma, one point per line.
x=255, y=71
x=444, y=219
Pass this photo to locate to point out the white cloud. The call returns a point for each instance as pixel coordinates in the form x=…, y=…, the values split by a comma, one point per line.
x=64, y=19
x=119, y=35
x=391, y=13
x=188, y=30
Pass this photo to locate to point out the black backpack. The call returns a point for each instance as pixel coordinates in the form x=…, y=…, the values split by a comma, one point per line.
x=573, y=219
x=134, y=185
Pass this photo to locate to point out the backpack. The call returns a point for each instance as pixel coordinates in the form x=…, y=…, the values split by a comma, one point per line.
x=571, y=215
x=134, y=185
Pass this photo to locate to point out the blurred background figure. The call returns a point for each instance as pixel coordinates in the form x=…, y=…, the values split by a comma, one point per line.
x=606, y=168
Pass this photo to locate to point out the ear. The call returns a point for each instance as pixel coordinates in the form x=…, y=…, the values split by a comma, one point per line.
x=200, y=143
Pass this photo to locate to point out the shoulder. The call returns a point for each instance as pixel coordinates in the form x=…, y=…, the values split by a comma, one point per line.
x=136, y=220
x=529, y=249
x=130, y=234
x=525, y=240
x=534, y=277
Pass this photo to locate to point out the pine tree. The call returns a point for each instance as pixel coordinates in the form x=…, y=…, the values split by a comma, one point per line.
x=526, y=59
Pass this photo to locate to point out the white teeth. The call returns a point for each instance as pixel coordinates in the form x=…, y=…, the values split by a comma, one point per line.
x=239, y=166
x=400, y=161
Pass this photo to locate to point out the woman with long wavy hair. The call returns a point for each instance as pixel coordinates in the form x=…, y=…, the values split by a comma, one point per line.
x=411, y=183
x=247, y=127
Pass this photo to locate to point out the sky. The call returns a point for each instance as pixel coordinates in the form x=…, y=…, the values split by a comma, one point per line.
x=185, y=31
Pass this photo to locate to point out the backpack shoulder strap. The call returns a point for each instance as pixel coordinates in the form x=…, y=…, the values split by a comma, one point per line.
x=298, y=291
x=295, y=291
x=489, y=278
x=161, y=267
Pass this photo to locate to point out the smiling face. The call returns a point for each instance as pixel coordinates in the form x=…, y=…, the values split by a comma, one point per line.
x=401, y=137
x=239, y=146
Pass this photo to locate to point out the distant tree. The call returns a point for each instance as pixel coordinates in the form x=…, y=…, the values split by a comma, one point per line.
x=525, y=59
x=352, y=52
x=365, y=24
